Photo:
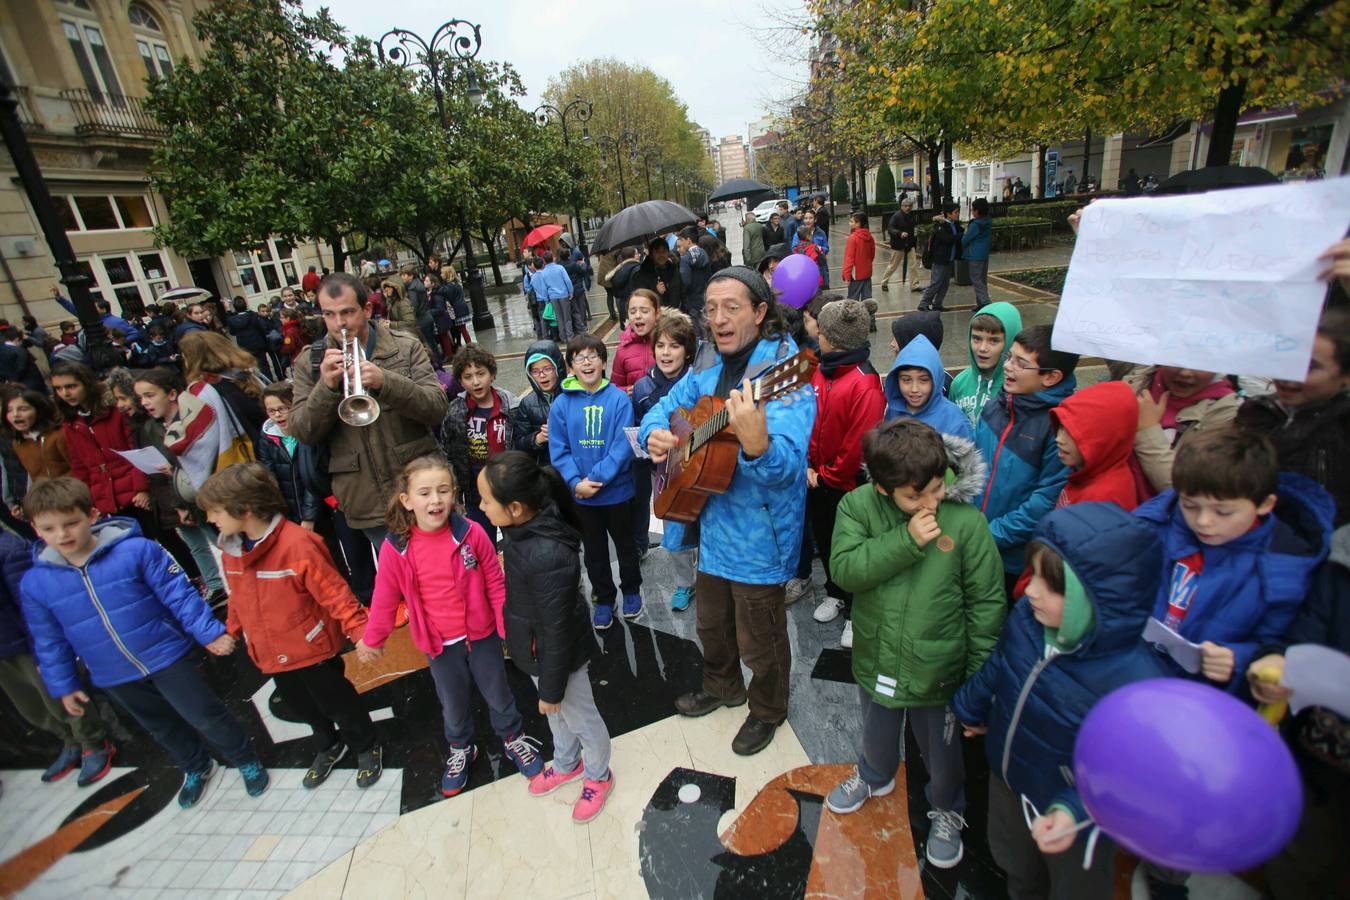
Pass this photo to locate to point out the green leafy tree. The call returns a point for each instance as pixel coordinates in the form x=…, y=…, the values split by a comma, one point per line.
x=840, y=190
x=885, y=191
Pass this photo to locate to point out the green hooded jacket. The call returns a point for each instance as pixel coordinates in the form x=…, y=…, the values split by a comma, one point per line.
x=924, y=619
x=970, y=390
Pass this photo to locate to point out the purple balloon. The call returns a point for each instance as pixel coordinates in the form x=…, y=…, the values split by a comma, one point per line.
x=1186, y=776
x=796, y=280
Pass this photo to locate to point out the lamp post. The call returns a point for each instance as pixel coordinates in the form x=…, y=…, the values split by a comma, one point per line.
x=460, y=41
x=627, y=139
x=580, y=110
x=73, y=276
x=646, y=159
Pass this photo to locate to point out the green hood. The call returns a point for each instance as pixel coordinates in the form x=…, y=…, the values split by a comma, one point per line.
x=1078, y=615
x=969, y=389
x=572, y=383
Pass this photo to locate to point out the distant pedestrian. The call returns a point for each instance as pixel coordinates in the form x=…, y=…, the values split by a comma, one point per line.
x=859, y=253
x=975, y=250
x=944, y=248
x=900, y=236
x=752, y=241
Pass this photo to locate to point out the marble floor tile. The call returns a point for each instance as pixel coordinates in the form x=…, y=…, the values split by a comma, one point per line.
x=422, y=854
x=327, y=883
x=549, y=860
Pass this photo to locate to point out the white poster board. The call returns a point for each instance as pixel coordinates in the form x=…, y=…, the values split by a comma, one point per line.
x=1224, y=281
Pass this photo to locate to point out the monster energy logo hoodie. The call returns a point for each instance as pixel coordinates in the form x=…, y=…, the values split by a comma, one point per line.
x=586, y=440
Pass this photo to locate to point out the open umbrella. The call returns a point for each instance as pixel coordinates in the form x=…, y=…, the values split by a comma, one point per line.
x=541, y=234
x=180, y=294
x=641, y=222
x=1210, y=178
x=737, y=188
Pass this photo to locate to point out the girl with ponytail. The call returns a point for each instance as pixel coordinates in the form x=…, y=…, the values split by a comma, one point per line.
x=548, y=627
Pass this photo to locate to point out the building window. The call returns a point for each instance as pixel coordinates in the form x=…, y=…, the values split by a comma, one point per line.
x=150, y=42
x=91, y=55
x=266, y=267
x=104, y=212
x=131, y=279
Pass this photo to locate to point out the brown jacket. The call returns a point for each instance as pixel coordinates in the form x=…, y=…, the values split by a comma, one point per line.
x=44, y=456
x=365, y=462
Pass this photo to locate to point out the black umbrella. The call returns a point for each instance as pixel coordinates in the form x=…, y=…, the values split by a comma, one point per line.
x=909, y=186
x=641, y=222
x=737, y=188
x=1210, y=178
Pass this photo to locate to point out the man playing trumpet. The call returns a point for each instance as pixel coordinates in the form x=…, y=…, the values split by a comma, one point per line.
x=396, y=373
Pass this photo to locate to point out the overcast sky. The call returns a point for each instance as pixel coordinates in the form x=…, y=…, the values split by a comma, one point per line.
x=721, y=56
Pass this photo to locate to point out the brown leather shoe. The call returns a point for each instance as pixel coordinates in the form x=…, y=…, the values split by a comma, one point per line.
x=753, y=737
x=700, y=703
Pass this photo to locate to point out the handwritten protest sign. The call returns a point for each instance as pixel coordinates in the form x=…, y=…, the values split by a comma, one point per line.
x=1224, y=281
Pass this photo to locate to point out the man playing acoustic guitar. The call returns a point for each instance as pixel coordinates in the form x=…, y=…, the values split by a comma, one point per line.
x=748, y=537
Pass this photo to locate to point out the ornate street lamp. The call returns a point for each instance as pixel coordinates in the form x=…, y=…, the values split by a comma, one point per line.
x=580, y=110
x=626, y=139
x=460, y=40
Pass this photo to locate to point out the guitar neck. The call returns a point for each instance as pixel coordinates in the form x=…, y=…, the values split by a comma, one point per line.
x=781, y=379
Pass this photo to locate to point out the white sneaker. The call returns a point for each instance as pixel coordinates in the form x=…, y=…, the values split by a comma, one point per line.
x=829, y=610
x=846, y=639
x=796, y=589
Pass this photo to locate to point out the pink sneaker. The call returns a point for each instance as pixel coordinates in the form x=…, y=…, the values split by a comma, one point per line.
x=549, y=780
x=592, y=799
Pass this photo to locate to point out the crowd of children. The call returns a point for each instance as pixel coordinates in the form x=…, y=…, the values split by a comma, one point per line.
x=995, y=543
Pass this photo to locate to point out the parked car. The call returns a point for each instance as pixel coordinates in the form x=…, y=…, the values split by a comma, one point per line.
x=764, y=210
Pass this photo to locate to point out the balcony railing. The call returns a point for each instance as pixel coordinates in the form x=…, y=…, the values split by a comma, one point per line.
x=111, y=114
x=27, y=117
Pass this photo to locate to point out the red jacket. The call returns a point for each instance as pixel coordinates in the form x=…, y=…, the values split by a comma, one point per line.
x=1102, y=420
x=633, y=360
x=90, y=443
x=292, y=338
x=287, y=599
x=479, y=585
x=310, y=282
x=859, y=252
x=848, y=404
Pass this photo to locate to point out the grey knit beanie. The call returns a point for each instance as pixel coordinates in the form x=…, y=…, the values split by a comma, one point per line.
x=845, y=324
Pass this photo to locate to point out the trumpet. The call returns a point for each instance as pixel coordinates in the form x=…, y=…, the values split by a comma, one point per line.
x=357, y=408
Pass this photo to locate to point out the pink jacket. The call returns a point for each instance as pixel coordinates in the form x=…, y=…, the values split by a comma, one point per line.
x=478, y=579
x=632, y=360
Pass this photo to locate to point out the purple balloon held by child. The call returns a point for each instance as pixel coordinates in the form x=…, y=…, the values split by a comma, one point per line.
x=796, y=281
x=1186, y=776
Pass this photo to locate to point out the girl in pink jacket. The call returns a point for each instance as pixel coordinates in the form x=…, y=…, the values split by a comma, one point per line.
x=442, y=567
x=634, y=358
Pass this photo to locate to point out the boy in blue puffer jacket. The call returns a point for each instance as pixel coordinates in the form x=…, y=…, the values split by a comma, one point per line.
x=84, y=739
x=1070, y=641
x=103, y=593
x=1016, y=436
x=590, y=450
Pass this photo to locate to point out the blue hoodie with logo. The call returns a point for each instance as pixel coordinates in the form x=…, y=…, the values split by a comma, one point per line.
x=586, y=440
x=939, y=412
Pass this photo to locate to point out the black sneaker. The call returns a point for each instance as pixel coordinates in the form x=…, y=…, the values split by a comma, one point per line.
x=369, y=766
x=324, y=762
x=194, y=785
x=255, y=778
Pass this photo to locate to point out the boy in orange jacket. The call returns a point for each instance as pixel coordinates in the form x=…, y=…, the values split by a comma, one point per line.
x=291, y=607
x=859, y=253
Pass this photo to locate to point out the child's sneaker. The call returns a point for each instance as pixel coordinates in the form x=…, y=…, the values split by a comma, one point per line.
x=523, y=750
x=828, y=610
x=369, y=766
x=592, y=799
x=63, y=765
x=944, y=848
x=322, y=767
x=603, y=617
x=194, y=785
x=853, y=793
x=94, y=764
x=255, y=778
x=632, y=606
x=457, y=769
x=681, y=599
x=551, y=779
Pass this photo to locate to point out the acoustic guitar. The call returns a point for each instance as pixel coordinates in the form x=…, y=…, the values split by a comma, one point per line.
x=704, y=461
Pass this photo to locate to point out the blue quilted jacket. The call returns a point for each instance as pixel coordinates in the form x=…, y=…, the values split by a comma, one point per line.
x=1033, y=704
x=1016, y=436
x=753, y=532
x=128, y=612
x=1250, y=589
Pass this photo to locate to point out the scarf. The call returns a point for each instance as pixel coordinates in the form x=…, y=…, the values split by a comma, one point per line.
x=832, y=362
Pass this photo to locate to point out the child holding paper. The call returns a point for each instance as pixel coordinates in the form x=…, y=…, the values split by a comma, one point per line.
x=1319, y=737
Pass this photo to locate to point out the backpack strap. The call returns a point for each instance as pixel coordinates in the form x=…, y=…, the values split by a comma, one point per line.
x=316, y=352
